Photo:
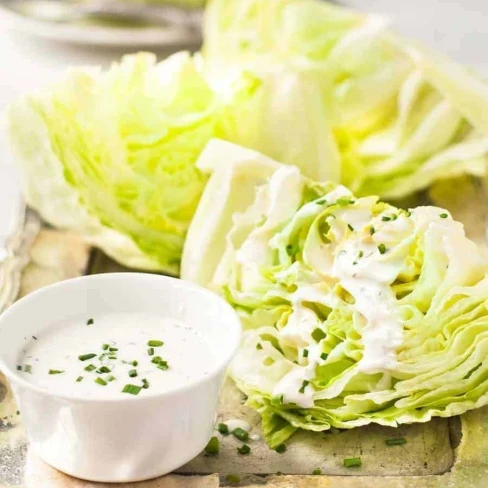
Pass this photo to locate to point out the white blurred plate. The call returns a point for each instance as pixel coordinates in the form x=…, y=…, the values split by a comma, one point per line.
x=99, y=34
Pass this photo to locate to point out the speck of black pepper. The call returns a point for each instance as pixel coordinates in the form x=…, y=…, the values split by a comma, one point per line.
x=35, y=338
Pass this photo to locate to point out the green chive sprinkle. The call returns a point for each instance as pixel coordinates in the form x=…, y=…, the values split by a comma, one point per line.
x=240, y=434
x=90, y=322
x=305, y=353
x=19, y=367
x=27, y=368
x=163, y=365
x=155, y=343
x=317, y=472
x=86, y=357
x=344, y=201
x=80, y=378
x=145, y=383
x=100, y=381
x=91, y=367
x=385, y=218
x=132, y=389
x=352, y=462
x=382, y=248
x=360, y=254
x=350, y=227
x=134, y=363
x=244, y=449
x=150, y=351
x=110, y=378
x=259, y=346
x=443, y=216
x=318, y=335
x=281, y=448
x=324, y=356
x=156, y=359
x=408, y=213
x=213, y=446
x=112, y=356
x=232, y=479
x=105, y=346
x=132, y=373
x=223, y=429
x=55, y=371
x=396, y=442
x=277, y=400
x=305, y=383
x=103, y=369
x=372, y=230
x=113, y=349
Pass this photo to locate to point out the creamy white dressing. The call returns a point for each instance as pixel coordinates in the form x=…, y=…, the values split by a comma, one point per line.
x=187, y=355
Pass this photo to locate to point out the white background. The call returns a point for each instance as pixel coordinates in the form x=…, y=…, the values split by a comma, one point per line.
x=459, y=28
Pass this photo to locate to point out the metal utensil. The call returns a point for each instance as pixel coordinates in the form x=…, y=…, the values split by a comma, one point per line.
x=66, y=11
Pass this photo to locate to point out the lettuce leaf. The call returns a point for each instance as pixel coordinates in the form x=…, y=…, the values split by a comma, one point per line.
x=386, y=116
x=354, y=311
x=112, y=154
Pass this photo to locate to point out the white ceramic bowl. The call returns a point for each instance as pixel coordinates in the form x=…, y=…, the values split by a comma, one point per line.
x=131, y=438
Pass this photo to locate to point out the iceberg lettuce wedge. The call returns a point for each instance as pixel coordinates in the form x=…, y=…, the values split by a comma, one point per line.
x=355, y=311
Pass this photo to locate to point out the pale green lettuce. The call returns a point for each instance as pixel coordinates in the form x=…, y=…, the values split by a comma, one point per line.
x=355, y=312
x=111, y=155
x=392, y=117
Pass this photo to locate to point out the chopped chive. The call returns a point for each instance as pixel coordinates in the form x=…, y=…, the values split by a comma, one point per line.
x=132, y=373
x=145, y=383
x=110, y=378
x=232, y=479
x=321, y=201
x=105, y=346
x=103, y=369
x=408, y=213
x=281, y=448
x=27, y=368
x=385, y=218
x=113, y=349
x=86, y=357
x=150, y=351
x=223, y=429
x=244, y=449
x=324, y=356
x=132, y=389
x=134, y=363
x=112, y=356
x=382, y=248
x=240, y=434
x=80, y=378
x=277, y=400
x=354, y=263
x=100, y=381
x=443, y=216
x=305, y=383
x=155, y=343
x=352, y=462
x=344, y=201
x=318, y=335
x=213, y=446
x=56, y=371
x=350, y=227
x=163, y=365
x=91, y=367
x=90, y=322
x=305, y=353
x=19, y=367
x=156, y=359
x=259, y=346
x=360, y=254
x=394, y=217
x=317, y=472
x=396, y=442
x=372, y=230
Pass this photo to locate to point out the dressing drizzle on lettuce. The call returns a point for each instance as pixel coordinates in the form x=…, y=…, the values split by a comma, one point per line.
x=355, y=311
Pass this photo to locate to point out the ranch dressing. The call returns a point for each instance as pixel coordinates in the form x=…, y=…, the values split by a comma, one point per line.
x=126, y=350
